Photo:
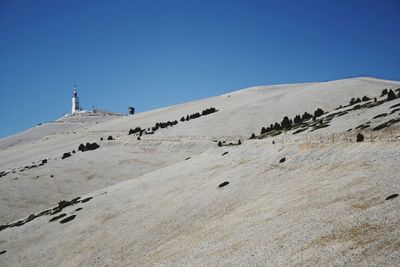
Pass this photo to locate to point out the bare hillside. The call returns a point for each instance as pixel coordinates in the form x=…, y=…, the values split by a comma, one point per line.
x=190, y=185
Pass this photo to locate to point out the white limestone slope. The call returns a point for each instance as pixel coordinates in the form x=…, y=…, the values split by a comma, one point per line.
x=157, y=202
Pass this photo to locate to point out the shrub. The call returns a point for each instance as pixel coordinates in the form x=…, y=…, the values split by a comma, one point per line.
x=219, y=143
x=286, y=123
x=91, y=146
x=66, y=155
x=391, y=95
x=136, y=130
x=355, y=101
x=81, y=147
x=110, y=138
x=277, y=126
x=183, y=119
x=319, y=112
x=239, y=142
x=208, y=111
x=223, y=184
x=360, y=138
x=297, y=119
x=306, y=116
x=384, y=92
x=365, y=98
x=253, y=136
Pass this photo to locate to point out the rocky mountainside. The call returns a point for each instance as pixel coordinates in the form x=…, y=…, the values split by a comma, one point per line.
x=297, y=174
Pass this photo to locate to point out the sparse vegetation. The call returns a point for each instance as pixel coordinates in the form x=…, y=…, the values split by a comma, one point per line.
x=223, y=184
x=61, y=205
x=319, y=112
x=89, y=146
x=136, y=130
x=66, y=155
x=355, y=101
x=68, y=219
x=380, y=115
x=162, y=125
x=391, y=95
x=392, y=196
x=360, y=138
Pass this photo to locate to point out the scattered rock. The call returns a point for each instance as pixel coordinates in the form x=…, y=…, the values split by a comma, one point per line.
x=392, y=196
x=223, y=184
x=282, y=160
x=51, y=175
x=68, y=219
x=225, y=153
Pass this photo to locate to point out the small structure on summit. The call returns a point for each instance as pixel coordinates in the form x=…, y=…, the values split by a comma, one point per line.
x=75, y=101
x=131, y=110
x=78, y=111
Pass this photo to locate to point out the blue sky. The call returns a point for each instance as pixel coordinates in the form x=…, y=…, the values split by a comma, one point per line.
x=155, y=53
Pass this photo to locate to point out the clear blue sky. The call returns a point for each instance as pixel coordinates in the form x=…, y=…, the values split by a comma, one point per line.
x=151, y=53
